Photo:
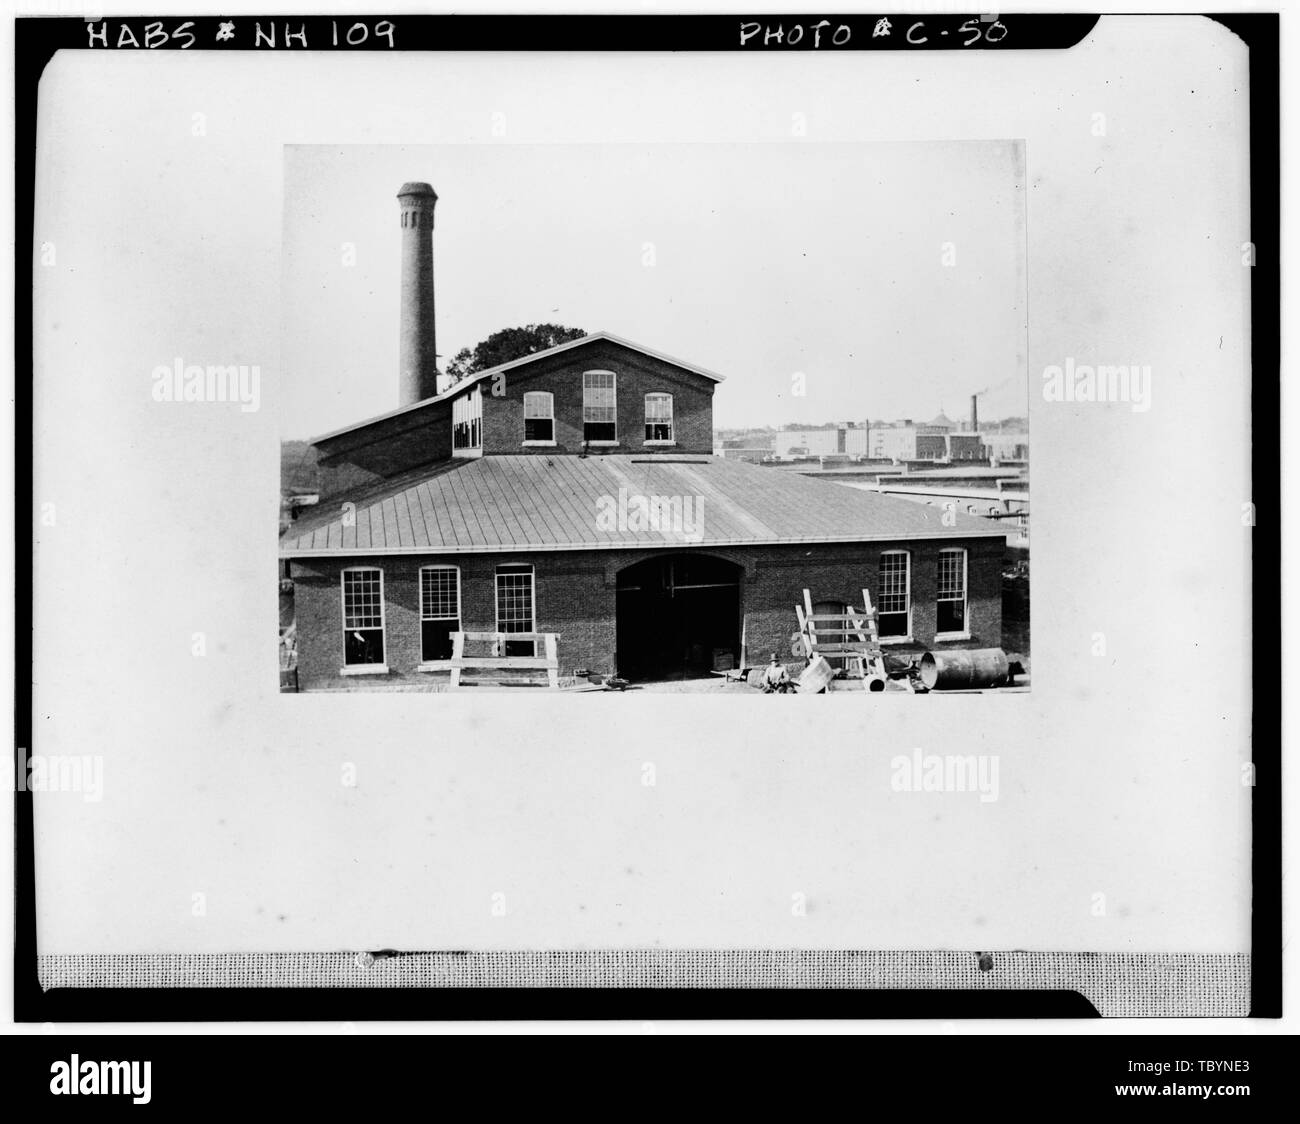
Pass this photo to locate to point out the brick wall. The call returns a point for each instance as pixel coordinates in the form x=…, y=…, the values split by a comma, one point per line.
x=356, y=460
x=840, y=573
x=637, y=376
x=422, y=436
x=931, y=446
x=575, y=596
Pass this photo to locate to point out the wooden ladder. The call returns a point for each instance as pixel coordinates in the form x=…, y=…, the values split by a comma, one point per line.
x=852, y=637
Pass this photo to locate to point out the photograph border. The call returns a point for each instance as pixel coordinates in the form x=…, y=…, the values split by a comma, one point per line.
x=946, y=992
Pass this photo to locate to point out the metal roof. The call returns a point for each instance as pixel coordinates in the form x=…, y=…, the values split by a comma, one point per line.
x=478, y=376
x=566, y=502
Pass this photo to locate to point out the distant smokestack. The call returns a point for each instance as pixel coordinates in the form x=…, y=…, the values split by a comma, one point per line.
x=974, y=413
x=418, y=354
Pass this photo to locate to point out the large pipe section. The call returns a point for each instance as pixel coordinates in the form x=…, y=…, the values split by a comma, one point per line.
x=965, y=669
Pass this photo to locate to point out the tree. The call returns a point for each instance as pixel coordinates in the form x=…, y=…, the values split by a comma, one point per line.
x=507, y=344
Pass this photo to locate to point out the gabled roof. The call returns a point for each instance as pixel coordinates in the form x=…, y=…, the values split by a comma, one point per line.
x=553, y=503
x=452, y=391
x=943, y=420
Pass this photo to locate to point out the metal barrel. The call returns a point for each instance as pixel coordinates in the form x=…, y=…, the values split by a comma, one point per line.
x=970, y=668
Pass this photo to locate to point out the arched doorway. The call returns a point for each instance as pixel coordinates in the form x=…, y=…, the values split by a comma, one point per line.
x=678, y=617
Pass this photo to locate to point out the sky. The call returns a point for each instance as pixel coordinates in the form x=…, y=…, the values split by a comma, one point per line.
x=890, y=275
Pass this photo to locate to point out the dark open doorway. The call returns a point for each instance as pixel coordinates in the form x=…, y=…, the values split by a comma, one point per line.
x=678, y=617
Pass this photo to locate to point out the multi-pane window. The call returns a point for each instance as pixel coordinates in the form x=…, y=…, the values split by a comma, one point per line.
x=658, y=419
x=515, y=607
x=599, y=406
x=439, y=610
x=467, y=420
x=539, y=416
x=951, y=615
x=893, y=607
x=363, y=616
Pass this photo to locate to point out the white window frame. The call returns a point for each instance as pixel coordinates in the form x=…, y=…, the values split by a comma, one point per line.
x=964, y=634
x=532, y=596
x=550, y=401
x=437, y=665
x=906, y=638
x=614, y=406
x=362, y=668
x=672, y=419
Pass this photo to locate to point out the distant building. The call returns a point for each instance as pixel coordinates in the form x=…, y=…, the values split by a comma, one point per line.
x=940, y=439
x=849, y=439
x=966, y=447
x=908, y=441
x=1007, y=446
x=749, y=454
x=754, y=448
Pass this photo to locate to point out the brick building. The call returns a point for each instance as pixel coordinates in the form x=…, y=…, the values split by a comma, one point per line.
x=849, y=439
x=574, y=491
x=936, y=440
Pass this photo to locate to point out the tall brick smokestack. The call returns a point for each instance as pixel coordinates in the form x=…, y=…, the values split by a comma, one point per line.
x=418, y=355
x=974, y=413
